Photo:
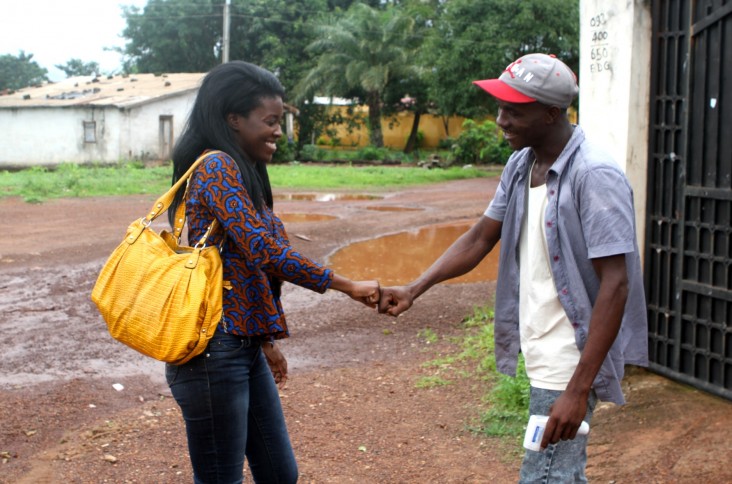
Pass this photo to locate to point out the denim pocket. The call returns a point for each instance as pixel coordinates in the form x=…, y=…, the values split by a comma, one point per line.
x=171, y=373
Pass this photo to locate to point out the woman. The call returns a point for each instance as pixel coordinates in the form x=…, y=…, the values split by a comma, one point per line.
x=228, y=394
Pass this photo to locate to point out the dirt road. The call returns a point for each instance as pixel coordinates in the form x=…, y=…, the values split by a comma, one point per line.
x=353, y=408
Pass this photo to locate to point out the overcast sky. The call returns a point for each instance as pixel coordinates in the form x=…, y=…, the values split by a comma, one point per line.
x=55, y=31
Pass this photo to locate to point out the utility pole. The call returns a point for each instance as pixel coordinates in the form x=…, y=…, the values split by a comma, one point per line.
x=225, y=51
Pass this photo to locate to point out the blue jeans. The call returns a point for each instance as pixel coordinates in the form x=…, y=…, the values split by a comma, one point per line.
x=232, y=408
x=563, y=462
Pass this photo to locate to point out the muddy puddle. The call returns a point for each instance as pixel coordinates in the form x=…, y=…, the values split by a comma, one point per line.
x=387, y=208
x=304, y=217
x=402, y=257
x=325, y=197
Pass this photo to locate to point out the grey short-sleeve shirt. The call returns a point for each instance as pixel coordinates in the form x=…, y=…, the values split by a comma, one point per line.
x=589, y=214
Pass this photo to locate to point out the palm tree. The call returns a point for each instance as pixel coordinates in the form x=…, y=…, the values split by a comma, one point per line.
x=362, y=52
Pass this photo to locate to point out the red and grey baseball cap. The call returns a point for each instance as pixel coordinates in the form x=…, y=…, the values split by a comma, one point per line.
x=534, y=78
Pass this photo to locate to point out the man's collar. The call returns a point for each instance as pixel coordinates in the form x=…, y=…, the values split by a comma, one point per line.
x=578, y=136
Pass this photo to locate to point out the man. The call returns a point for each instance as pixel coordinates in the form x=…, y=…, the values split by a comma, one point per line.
x=569, y=293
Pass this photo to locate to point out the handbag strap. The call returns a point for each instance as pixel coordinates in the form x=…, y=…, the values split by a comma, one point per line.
x=180, y=217
x=163, y=203
x=180, y=214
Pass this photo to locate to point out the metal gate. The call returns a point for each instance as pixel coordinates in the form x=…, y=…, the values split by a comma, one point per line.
x=688, y=238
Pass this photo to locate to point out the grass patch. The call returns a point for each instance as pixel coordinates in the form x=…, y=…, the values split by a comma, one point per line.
x=365, y=177
x=508, y=399
x=71, y=180
x=506, y=402
x=432, y=381
x=428, y=335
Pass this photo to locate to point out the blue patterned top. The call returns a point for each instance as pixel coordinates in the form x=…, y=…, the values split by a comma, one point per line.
x=256, y=246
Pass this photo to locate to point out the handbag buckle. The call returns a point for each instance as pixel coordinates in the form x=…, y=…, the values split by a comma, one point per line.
x=202, y=241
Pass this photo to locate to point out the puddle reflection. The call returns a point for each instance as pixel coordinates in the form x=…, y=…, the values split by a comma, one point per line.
x=402, y=257
x=393, y=209
x=304, y=217
x=324, y=197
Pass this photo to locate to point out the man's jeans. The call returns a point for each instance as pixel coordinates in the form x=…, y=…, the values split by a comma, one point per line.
x=563, y=462
x=232, y=408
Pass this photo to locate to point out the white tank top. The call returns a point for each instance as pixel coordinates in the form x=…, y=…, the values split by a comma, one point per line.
x=547, y=335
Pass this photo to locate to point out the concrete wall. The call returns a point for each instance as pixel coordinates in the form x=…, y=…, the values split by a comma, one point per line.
x=47, y=136
x=33, y=136
x=615, y=58
x=140, y=129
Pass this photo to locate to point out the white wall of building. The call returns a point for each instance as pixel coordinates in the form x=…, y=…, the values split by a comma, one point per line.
x=52, y=135
x=615, y=58
x=140, y=128
x=40, y=135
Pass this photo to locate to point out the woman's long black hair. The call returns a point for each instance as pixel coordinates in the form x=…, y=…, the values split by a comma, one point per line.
x=236, y=87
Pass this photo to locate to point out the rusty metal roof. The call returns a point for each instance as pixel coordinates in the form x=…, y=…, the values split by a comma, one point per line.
x=122, y=91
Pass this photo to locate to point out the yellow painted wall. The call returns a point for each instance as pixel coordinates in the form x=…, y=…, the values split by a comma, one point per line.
x=396, y=130
x=433, y=128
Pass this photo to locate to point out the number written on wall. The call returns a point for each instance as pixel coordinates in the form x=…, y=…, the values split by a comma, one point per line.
x=599, y=48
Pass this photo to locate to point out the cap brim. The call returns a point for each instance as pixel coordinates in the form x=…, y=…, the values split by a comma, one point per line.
x=503, y=92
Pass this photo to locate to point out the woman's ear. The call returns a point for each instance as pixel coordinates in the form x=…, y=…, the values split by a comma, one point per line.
x=233, y=121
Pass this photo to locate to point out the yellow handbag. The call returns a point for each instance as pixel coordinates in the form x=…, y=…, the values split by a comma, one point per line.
x=158, y=297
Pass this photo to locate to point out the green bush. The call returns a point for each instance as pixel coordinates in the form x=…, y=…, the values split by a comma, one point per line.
x=311, y=153
x=285, y=151
x=372, y=153
x=480, y=143
x=445, y=143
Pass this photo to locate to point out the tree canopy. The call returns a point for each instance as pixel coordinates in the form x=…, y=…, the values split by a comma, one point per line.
x=187, y=35
x=362, y=53
x=477, y=39
x=77, y=67
x=426, y=52
x=20, y=71
x=173, y=36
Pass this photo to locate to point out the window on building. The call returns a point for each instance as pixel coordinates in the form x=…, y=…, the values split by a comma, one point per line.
x=90, y=131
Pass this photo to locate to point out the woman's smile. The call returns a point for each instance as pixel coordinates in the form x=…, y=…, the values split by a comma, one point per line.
x=257, y=133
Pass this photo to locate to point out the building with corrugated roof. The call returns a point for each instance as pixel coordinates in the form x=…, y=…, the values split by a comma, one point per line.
x=95, y=119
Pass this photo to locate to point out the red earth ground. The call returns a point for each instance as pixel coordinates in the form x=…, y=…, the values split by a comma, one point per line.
x=354, y=408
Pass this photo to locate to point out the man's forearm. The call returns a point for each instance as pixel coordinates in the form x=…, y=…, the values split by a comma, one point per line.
x=460, y=258
x=605, y=321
